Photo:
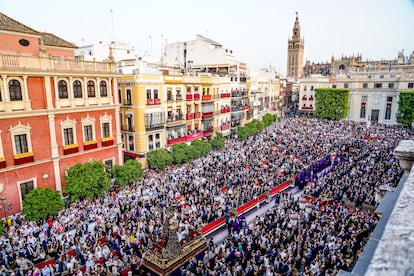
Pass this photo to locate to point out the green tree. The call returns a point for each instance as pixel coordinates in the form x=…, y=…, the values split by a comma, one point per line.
x=181, y=153
x=405, y=113
x=268, y=119
x=331, y=103
x=42, y=203
x=159, y=159
x=218, y=141
x=87, y=180
x=131, y=171
x=203, y=147
x=242, y=133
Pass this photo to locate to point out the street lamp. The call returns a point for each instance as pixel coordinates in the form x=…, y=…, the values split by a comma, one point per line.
x=6, y=206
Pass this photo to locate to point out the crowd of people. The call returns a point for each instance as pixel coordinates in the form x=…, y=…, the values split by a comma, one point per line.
x=212, y=186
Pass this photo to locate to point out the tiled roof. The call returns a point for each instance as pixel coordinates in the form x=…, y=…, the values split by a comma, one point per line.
x=52, y=40
x=9, y=24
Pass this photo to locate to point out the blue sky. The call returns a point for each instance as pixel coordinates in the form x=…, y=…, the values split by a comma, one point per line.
x=256, y=30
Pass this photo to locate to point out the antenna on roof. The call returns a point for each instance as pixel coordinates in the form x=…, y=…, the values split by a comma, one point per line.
x=113, y=29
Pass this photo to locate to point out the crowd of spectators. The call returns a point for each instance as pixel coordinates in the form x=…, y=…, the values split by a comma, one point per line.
x=212, y=186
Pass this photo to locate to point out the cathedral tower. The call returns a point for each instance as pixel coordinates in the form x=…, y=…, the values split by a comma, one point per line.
x=296, y=46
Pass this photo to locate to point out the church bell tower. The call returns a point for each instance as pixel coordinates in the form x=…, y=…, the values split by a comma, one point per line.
x=296, y=46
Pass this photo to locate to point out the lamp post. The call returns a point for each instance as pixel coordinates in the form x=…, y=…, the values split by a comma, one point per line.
x=6, y=206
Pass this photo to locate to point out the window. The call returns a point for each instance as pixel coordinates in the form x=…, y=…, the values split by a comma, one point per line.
x=389, y=99
x=103, y=89
x=129, y=96
x=77, y=89
x=378, y=85
x=88, y=125
x=20, y=142
x=362, y=111
x=68, y=136
x=388, y=110
x=24, y=42
x=91, y=89
x=346, y=85
x=364, y=98
x=391, y=85
x=87, y=133
x=106, y=131
x=15, y=90
x=149, y=96
x=69, y=133
x=26, y=187
x=155, y=93
x=119, y=96
x=62, y=89
x=411, y=85
x=109, y=164
x=365, y=85
x=131, y=142
x=0, y=96
x=150, y=142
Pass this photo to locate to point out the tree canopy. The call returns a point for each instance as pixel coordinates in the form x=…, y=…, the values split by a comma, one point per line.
x=42, y=203
x=159, y=159
x=129, y=172
x=331, y=103
x=405, y=113
x=87, y=180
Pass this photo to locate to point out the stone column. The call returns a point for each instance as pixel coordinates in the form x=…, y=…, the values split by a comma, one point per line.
x=26, y=93
x=405, y=154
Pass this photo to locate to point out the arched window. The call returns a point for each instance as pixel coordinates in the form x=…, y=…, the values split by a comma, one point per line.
x=91, y=89
x=63, y=89
x=15, y=90
x=77, y=89
x=103, y=89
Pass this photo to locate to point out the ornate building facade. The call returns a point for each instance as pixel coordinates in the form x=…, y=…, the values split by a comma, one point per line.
x=56, y=111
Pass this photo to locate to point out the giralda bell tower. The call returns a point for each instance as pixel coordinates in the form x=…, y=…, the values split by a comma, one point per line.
x=296, y=46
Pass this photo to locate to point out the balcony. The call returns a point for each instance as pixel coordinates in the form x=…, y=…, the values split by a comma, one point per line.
x=225, y=126
x=90, y=145
x=235, y=123
x=175, y=118
x=197, y=115
x=239, y=93
x=206, y=98
x=2, y=163
x=189, y=97
x=196, y=97
x=246, y=107
x=129, y=128
x=225, y=95
x=174, y=141
x=154, y=101
x=225, y=109
x=191, y=137
x=55, y=64
x=23, y=158
x=208, y=132
x=307, y=107
x=189, y=116
x=207, y=115
x=107, y=142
